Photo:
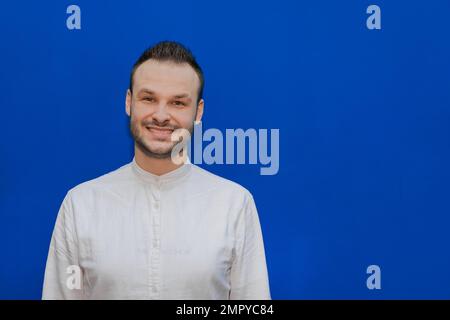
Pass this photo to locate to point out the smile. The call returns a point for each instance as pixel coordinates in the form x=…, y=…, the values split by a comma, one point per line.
x=160, y=132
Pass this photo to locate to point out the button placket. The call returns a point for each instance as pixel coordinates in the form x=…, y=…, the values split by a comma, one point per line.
x=155, y=241
x=154, y=185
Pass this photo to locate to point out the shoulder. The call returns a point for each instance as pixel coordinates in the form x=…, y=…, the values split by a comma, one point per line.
x=111, y=182
x=206, y=181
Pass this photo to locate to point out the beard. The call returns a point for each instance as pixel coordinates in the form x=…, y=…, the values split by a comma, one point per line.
x=159, y=149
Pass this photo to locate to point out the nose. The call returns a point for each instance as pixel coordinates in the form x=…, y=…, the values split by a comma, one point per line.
x=161, y=116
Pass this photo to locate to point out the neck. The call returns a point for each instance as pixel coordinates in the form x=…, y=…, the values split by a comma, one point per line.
x=154, y=165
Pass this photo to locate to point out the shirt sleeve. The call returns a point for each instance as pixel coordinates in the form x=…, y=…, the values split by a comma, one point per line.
x=249, y=277
x=63, y=277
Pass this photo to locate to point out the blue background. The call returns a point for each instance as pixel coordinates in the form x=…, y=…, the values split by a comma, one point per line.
x=363, y=118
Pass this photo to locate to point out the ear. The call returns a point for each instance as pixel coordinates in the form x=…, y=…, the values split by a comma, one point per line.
x=200, y=107
x=128, y=103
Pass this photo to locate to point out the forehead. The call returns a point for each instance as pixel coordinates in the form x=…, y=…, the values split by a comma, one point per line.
x=166, y=77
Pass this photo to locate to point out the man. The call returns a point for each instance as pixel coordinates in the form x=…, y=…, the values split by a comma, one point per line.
x=155, y=228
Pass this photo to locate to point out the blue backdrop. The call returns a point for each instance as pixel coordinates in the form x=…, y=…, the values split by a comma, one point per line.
x=363, y=118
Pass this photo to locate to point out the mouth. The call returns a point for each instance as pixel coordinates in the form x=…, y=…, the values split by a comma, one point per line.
x=158, y=132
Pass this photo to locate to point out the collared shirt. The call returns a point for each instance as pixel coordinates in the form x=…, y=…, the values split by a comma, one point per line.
x=130, y=234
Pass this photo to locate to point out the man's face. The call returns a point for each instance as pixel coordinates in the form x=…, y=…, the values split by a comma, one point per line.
x=164, y=99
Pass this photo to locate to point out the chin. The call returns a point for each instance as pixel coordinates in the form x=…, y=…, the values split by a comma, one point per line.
x=159, y=148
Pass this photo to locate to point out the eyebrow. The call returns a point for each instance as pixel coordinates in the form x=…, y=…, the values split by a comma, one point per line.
x=178, y=96
x=181, y=96
x=145, y=91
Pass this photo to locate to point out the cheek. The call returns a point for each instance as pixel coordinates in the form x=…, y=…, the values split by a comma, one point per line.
x=135, y=127
x=137, y=116
x=135, y=120
x=185, y=117
x=138, y=113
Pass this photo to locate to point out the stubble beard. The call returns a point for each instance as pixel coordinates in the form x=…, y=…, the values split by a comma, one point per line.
x=145, y=147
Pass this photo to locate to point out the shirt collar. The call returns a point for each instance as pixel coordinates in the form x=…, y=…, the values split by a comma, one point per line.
x=167, y=178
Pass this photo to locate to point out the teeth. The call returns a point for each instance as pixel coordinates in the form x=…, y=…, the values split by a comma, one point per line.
x=159, y=129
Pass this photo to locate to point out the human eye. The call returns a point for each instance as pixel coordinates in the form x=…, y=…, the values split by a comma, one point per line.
x=149, y=99
x=178, y=103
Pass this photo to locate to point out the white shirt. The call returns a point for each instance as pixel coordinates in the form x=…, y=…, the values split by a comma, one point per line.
x=187, y=234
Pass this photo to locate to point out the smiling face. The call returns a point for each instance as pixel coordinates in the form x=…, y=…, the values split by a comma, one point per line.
x=164, y=99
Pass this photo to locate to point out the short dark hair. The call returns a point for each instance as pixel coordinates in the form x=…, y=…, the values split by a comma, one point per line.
x=170, y=51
